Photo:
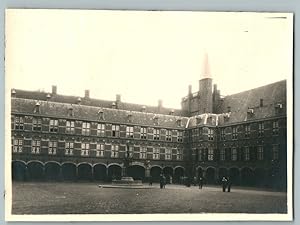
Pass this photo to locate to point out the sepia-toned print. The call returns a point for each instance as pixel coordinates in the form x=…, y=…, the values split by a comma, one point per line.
x=148, y=116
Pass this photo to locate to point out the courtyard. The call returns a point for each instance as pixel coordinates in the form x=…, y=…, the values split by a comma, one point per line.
x=88, y=198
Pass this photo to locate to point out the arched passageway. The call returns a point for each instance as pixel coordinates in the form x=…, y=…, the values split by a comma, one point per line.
x=85, y=172
x=18, y=169
x=260, y=177
x=100, y=172
x=210, y=175
x=69, y=171
x=155, y=173
x=168, y=173
x=178, y=173
x=52, y=171
x=247, y=177
x=36, y=171
x=114, y=172
x=234, y=175
x=136, y=172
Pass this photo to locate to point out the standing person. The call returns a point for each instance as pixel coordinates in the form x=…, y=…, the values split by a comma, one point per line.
x=200, y=182
x=229, y=183
x=150, y=180
x=161, y=181
x=224, y=183
x=164, y=181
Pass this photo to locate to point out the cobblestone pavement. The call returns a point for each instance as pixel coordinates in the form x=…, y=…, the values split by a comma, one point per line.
x=88, y=198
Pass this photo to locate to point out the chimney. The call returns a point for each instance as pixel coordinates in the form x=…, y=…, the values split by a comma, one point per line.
x=159, y=104
x=215, y=87
x=87, y=94
x=54, y=89
x=190, y=89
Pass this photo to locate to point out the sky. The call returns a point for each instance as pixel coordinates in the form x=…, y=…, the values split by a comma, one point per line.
x=144, y=56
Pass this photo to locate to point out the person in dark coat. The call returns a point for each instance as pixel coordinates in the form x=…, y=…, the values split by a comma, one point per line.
x=224, y=183
x=229, y=183
x=161, y=181
x=200, y=182
x=150, y=181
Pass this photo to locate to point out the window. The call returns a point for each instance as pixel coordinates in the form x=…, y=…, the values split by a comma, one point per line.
x=179, y=154
x=233, y=154
x=69, y=148
x=129, y=151
x=222, y=134
x=168, y=135
x=85, y=147
x=52, y=147
x=210, y=154
x=17, y=145
x=101, y=129
x=143, y=152
x=35, y=146
x=234, y=133
x=260, y=153
x=168, y=154
x=100, y=150
x=129, y=132
x=222, y=154
x=70, y=127
x=53, y=126
x=261, y=127
x=156, y=153
x=247, y=131
x=210, y=134
x=19, y=123
x=246, y=153
x=200, y=132
x=275, y=127
x=200, y=154
x=86, y=128
x=37, y=124
x=114, y=151
x=156, y=134
x=115, y=130
x=143, y=133
x=275, y=152
x=180, y=135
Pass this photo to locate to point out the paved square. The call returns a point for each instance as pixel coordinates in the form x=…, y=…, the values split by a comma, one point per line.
x=88, y=198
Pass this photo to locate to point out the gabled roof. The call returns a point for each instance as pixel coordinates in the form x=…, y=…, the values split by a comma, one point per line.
x=92, y=113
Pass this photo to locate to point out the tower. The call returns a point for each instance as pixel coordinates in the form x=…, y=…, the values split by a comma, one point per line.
x=205, y=88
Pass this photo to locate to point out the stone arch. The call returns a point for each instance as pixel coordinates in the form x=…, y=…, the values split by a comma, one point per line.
x=260, y=177
x=114, y=171
x=155, y=172
x=85, y=171
x=18, y=169
x=69, y=171
x=234, y=175
x=137, y=172
x=100, y=172
x=168, y=172
x=52, y=170
x=247, y=176
x=210, y=175
x=36, y=170
x=178, y=174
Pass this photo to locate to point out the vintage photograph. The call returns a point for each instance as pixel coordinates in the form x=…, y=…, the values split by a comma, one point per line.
x=118, y=115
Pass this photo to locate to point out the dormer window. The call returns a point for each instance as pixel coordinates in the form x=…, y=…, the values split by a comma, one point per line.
x=155, y=120
x=113, y=105
x=78, y=100
x=278, y=108
x=179, y=122
x=198, y=120
x=143, y=109
x=261, y=103
x=13, y=93
x=226, y=116
x=37, y=107
x=250, y=111
x=101, y=114
x=48, y=96
x=129, y=117
x=228, y=109
x=70, y=111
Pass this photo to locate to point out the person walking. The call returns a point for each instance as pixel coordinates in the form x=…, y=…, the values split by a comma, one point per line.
x=224, y=183
x=229, y=183
x=200, y=182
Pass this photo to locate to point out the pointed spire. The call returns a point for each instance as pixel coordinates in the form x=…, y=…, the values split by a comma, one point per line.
x=205, y=68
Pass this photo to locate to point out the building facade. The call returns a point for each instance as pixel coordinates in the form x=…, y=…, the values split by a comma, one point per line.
x=243, y=136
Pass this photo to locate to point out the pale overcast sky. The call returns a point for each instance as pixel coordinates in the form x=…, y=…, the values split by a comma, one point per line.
x=144, y=56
